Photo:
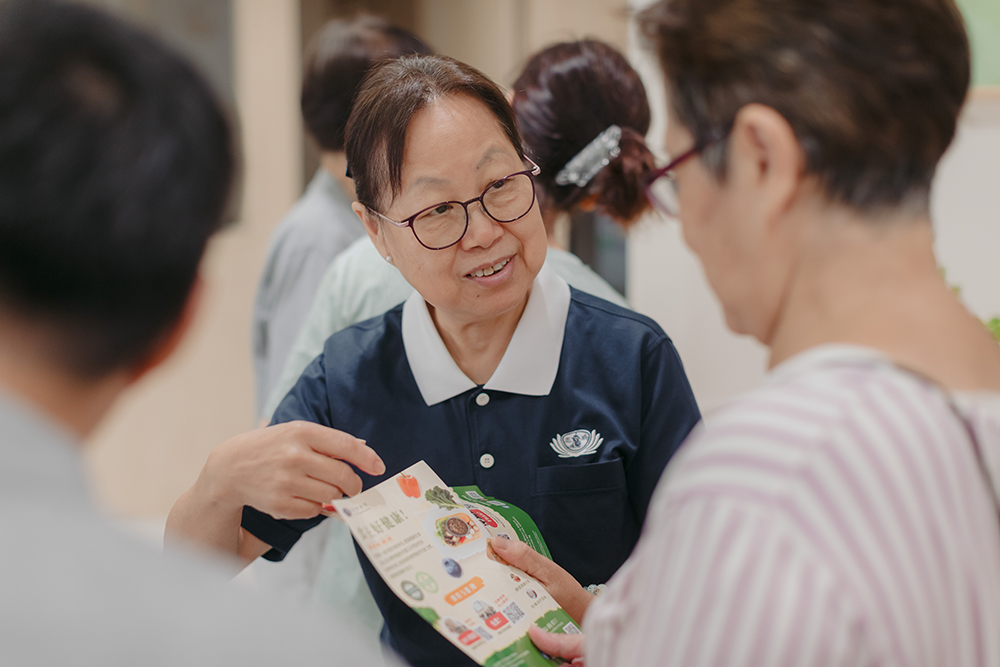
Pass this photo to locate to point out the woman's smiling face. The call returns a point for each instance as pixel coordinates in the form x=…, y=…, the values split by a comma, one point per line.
x=455, y=149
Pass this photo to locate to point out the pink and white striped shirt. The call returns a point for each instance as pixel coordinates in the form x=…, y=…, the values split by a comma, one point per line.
x=837, y=515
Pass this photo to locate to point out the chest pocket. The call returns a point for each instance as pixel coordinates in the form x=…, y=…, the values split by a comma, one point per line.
x=588, y=477
x=584, y=515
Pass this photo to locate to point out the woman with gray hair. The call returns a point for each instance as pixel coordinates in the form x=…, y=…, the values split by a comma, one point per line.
x=846, y=512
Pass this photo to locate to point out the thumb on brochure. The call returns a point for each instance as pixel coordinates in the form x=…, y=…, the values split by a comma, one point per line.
x=569, y=647
x=560, y=584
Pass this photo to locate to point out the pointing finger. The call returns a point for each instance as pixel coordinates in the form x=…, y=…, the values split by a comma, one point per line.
x=339, y=445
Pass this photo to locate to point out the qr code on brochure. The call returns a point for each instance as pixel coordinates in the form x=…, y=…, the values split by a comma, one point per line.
x=514, y=612
x=570, y=628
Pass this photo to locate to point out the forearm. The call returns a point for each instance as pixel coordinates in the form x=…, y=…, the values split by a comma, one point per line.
x=203, y=518
x=287, y=471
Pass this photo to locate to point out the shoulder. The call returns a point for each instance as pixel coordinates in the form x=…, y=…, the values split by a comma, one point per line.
x=572, y=269
x=358, y=266
x=315, y=223
x=365, y=342
x=591, y=315
x=115, y=599
x=360, y=283
x=826, y=432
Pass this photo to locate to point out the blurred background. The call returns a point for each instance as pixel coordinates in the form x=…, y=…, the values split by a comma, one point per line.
x=153, y=445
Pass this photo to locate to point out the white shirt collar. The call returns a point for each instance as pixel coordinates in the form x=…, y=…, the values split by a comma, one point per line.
x=529, y=365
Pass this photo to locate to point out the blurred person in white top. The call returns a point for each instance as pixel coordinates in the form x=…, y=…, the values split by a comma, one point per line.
x=846, y=512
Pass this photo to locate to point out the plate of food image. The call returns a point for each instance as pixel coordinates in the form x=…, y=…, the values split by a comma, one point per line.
x=455, y=533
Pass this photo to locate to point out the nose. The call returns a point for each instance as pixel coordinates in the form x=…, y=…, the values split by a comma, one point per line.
x=483, y=230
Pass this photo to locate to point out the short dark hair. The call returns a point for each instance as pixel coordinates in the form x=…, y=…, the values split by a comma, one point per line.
x=872, y=89
x=568, y=94
x=392, y=93
x=116, y=164
x=337, y=61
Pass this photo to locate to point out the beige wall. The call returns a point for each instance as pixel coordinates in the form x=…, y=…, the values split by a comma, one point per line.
x=497, y=37
x=153, y=445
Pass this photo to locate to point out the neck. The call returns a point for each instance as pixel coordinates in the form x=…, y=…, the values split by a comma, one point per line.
x=26, y=371
x=877, y=284
x=478, y=347
x=336, y=165
x=557, y=228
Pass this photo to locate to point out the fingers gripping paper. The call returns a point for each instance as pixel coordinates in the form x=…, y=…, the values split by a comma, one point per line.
x=432, y=544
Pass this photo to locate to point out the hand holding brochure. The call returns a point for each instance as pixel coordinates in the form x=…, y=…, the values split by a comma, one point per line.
x=433, y=546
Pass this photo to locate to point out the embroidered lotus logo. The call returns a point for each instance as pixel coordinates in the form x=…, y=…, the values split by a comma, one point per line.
x=576, y=443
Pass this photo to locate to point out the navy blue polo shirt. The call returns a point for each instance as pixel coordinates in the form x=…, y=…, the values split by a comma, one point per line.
x=588, y=404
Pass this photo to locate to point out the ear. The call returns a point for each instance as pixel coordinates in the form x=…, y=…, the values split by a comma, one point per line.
x=765, y=160
x=371, y=226
x=170, y=340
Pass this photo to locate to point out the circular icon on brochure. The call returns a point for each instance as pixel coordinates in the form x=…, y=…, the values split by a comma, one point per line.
x=452, y=567
x=456, y=526
x=531, y=594
x=347, y=512
x=427, y=582
x=411, y=589
x=516, y=578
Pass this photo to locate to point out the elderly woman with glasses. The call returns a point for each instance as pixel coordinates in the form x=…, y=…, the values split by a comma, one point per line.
x=846, y=512
x=495, y=371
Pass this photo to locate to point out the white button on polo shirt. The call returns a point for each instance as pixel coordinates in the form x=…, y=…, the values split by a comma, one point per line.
x=482, y=399
x=486, y=460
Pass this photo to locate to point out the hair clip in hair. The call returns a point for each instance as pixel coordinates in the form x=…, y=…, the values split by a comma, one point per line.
x=347, y=171
x=595, y=156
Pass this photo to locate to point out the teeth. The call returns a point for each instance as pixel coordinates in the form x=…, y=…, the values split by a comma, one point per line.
x=490, y=270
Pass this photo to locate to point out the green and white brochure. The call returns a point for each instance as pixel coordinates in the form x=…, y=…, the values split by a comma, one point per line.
x=432, y=544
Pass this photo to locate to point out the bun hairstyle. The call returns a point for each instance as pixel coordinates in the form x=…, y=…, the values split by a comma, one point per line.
x=565, y=97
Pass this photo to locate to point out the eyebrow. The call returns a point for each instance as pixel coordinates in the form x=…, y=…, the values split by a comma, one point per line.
x=427, y=180
x=490, y=155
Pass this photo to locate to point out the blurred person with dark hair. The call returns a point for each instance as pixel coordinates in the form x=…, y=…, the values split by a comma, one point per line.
x=116, y=165
x=321, y=224
x=495, y=371
x=574, y=101
x=846, y=512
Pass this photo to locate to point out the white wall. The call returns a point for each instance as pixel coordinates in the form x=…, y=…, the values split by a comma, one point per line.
x=966, y=207
x=666, y=282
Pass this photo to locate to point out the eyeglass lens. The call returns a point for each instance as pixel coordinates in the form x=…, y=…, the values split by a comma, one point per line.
x=662, y=194
x=504, y=201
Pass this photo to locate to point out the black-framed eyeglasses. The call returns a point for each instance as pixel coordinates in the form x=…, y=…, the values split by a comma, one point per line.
x=442, y=225
x=660, y=184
